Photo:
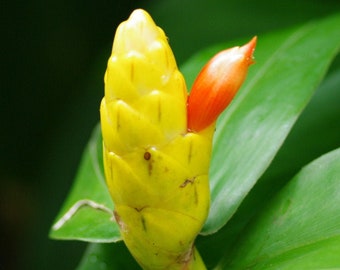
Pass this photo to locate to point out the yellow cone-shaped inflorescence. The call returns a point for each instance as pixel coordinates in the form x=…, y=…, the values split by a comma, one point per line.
x=156, y=171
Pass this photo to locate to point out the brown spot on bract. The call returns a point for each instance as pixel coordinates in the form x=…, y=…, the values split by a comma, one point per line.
x=117, y=217
x=147, y=155
x=186, y=182
x=150, y=168
x=119, y=221
x=185, y=258
x=138, y=209
x=143, y=223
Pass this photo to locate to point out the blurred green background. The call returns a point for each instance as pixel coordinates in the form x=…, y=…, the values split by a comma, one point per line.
x=54, y=56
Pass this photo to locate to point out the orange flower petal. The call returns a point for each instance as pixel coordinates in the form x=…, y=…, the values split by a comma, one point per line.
x=217, y=84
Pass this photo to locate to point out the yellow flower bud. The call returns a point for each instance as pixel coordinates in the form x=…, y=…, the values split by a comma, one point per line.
x=156, y=163
x=157, y=173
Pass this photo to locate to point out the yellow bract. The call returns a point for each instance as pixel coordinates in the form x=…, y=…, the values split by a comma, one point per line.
x=156, y=171
x=142, y=86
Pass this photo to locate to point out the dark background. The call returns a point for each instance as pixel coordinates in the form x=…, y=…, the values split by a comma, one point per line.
x=53, y=57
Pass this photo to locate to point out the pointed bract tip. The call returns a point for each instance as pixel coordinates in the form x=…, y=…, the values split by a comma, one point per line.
x=136, y=34
x=248, y=50
x=139, y=15
x=217, y=84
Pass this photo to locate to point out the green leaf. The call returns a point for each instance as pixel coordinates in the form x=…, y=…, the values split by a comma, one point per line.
x=300, y=229
x=107, y=257
x=289, y=66
x=320, y=121
x=88, y=223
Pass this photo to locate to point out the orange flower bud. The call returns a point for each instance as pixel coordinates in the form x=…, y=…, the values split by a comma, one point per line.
x=217, y=84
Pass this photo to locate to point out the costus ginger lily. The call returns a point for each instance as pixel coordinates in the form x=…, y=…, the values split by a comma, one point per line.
x=157, y=142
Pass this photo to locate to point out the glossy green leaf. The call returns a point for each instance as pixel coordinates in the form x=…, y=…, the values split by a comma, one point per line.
x=88, y=223
x=315, y=133
x=107, y=257
x=300, y=228
x=289, y=66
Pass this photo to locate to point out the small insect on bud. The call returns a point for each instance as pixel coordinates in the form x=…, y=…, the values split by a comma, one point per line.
x=217, y=84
